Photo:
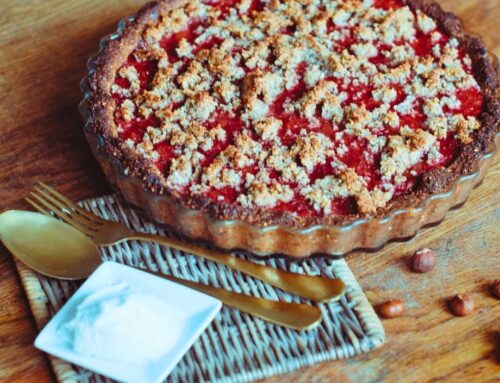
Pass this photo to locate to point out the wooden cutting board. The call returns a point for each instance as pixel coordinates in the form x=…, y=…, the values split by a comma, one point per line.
x=43, y=49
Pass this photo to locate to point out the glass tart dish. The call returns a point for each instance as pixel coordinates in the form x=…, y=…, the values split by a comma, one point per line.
x=292, y=127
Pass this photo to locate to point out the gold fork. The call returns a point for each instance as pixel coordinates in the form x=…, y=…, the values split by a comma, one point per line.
x=106, y=233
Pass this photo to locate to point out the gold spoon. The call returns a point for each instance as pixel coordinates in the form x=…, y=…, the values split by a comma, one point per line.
x=58, y=250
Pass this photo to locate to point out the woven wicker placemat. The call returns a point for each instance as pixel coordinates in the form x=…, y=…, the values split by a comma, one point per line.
x=236, y=347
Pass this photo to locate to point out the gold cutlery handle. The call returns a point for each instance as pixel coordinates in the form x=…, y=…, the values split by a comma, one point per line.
x=316, y=288
x=293, y=315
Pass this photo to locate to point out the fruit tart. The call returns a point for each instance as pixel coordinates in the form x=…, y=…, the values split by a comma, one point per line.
x=293, y=126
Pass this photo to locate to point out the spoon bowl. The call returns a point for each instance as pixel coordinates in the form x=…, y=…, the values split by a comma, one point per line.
x=47, y=245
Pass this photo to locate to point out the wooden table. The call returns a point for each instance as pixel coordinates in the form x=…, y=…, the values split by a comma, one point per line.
x=43, y=49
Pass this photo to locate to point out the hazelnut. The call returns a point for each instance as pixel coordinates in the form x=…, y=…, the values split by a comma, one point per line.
x=423, y=261
x=461, y=305
x=495, y=288
x=391, y=309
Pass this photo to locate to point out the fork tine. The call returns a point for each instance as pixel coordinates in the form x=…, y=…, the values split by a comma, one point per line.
x=61, y=206
x=56, y=206
x=70, y=204
x=37, y=206
x=60, y=199
x=65, y=216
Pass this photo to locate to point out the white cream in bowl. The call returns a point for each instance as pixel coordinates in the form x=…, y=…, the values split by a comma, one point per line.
x=128, y=325
x=124, y=324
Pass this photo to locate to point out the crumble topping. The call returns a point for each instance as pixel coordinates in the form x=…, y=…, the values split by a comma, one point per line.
x=261, y=194
x=425, y=23
x=312, y=149
x=403, y=151
x=325, y=97
x=127, y=110
x=268, y=129
x=321, y=106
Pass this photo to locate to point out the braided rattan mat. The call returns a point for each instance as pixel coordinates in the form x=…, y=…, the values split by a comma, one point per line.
x=236, y=347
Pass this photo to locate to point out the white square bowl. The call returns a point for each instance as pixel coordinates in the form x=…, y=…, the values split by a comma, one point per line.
x=197, y=308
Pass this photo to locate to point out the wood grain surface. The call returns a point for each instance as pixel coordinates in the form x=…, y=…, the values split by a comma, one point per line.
x=43, y=49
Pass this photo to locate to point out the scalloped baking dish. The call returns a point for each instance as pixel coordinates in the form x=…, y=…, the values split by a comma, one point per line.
x=335, y=240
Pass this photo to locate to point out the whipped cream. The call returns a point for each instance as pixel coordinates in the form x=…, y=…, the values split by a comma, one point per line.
x=123, y=324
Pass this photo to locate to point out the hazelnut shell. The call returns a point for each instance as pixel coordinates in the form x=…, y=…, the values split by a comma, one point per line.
x=461, y=305
x=391, y=309
x=495, y=288
x=423, y=261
